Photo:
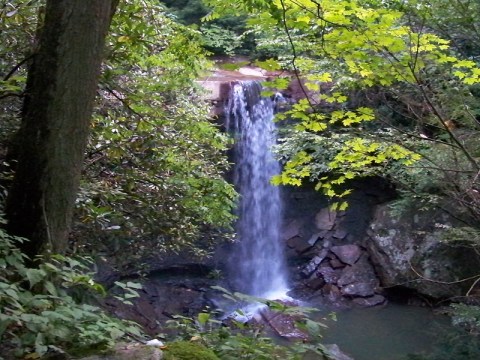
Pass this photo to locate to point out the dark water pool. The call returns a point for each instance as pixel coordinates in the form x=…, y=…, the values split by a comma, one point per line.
x=385, y=333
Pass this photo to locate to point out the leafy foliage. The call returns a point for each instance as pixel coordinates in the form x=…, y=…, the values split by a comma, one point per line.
x=365, y=66
x=156, y=160
x=226, y=35
x=180, y=350
x=18, y=25
x=453, y=20
x=219, y=40
x=45, y=308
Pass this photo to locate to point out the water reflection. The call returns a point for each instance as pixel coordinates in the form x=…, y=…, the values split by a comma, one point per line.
x=385, y=333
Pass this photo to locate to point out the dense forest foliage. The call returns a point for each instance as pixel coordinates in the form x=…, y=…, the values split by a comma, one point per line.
x=392, y=89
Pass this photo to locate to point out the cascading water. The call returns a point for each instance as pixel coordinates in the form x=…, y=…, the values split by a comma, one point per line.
x=258, y=265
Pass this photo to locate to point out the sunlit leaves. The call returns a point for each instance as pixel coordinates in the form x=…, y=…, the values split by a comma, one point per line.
x=269, y=64
x=416, y=82
x=295, y=170
x=360, y=153
x=348, y=118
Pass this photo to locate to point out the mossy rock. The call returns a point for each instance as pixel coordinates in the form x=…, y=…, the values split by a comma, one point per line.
x=185, y=350
x=129, y=351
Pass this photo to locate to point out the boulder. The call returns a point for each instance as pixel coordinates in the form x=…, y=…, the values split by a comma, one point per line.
x=283, y=324
x=340, y=234
x=333, y=294
x=336, y=264
x=325, y=219
x=407, y=251
x=360, y=272
x=314, y=238
x=330, y=275
x=299, y=244
x=348, y=254
x=291, y=229
x=302, y=292
x=316, y=283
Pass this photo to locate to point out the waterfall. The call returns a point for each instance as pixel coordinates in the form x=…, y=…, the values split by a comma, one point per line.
x=257, y=265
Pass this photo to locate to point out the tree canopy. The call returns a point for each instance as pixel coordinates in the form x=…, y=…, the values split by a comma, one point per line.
x=382, y=88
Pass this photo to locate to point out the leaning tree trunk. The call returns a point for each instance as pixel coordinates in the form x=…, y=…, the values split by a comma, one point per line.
x=59, y=101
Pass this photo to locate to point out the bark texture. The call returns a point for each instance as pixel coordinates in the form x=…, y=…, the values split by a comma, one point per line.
x=61, y=89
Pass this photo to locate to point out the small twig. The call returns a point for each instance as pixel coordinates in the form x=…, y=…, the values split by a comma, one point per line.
x=445, y=282
x=472, y=287
x=16, y=67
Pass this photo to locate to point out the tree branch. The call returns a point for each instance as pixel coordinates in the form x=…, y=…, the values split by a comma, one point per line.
x=18, y=66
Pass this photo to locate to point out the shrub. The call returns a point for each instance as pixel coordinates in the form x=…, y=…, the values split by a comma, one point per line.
x=41, y=308
x=185, y=350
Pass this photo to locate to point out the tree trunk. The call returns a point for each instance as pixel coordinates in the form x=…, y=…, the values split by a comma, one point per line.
x=59, y=101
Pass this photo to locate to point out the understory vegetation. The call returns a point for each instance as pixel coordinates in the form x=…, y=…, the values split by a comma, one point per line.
x=389, y=89
x=47, y=308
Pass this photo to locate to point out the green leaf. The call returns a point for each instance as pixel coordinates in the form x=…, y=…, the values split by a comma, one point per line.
x=134, y=285
x=12, y=293
x=34, y=276
x=269, y=64
x=203, y=318
x=52, y=290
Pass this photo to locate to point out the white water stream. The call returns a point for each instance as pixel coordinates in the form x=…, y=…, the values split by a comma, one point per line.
x=258, y=264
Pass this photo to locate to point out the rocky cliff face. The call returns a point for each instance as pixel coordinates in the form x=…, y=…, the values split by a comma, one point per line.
x=327, y=259
x=350, y=258
x=408, y=252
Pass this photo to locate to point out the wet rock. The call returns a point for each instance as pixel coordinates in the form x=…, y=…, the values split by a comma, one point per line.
x=335, y=353
x=325, y=219
x=330, y=275
x=162, y=297
x=398, y=246
x=358, y=289
x=333, y=297
x=332, y=292
x=291, y=230
x=302, y=292
x=316, y=283
x=370, y=301
x=283, y=324
x=298, y=244
x=360, y=272
x=310, y=268
x=348, y=254
x=314, y=238
x=336, y=264
x=327, y=243
x=340, y=234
